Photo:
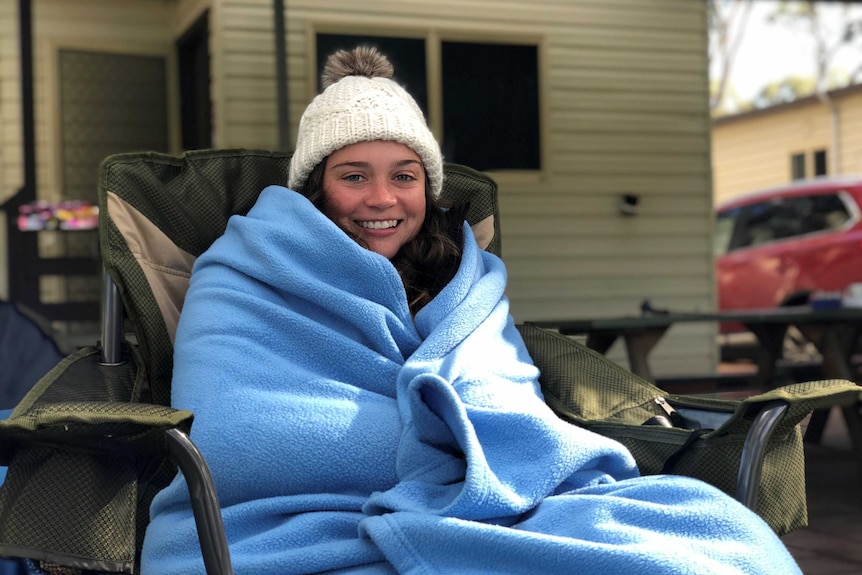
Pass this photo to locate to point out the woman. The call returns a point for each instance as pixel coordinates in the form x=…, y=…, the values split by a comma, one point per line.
x=362, y=413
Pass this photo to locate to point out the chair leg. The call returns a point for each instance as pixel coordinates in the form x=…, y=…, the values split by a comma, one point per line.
x=112, y=322
x=204, y=501
x=754, y=450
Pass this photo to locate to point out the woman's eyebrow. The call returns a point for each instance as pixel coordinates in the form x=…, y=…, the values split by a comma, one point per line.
x=360, y=164
x=406, y=162
x=356, y=164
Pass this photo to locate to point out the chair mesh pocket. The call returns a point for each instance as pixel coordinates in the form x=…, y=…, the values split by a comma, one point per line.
x=96, y=529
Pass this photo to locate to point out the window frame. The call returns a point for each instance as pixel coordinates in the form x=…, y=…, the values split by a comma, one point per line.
x=433, y=38
x=815, y=170
x=797, y=160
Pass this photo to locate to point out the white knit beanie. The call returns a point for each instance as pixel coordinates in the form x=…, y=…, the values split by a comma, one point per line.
x=361, y=103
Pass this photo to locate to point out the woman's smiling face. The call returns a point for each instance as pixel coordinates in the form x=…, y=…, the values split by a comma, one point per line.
x=376, y=191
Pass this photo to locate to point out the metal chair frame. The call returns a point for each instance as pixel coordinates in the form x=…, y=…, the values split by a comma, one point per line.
x=180, y=449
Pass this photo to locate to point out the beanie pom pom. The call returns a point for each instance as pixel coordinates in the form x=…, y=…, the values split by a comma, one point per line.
x=361, y=61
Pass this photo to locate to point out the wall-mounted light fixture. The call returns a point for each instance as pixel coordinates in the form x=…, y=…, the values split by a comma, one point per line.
x=628, y=204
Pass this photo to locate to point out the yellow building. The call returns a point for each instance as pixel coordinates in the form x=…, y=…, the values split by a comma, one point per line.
x=805, y=138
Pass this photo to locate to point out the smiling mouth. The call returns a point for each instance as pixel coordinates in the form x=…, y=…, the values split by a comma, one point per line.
x=378, y=224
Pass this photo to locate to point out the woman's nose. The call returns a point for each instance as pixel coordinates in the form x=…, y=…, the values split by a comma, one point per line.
x=380, y=195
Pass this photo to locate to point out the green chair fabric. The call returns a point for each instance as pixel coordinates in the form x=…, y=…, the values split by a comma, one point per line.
x=586, y=389
x=84, y=463
x=86, y=447
x=181, y=205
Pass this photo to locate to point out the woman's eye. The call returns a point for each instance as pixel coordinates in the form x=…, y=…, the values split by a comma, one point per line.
x=353, y=178
x=405, y=178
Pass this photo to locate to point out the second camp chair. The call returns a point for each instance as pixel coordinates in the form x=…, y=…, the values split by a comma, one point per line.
x=96, y=438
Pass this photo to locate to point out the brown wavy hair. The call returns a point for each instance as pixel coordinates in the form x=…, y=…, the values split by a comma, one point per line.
x=427, y=262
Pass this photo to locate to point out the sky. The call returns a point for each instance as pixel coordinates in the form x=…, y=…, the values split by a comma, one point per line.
x=773, y=51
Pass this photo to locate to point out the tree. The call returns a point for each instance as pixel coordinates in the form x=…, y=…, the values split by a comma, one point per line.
x=832, y=28
x=785, y=90
x=727, y=22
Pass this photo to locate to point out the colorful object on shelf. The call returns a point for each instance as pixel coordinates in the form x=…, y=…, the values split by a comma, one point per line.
x=66, y=215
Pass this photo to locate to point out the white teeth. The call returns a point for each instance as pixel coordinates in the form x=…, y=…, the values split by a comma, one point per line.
x=378, y=225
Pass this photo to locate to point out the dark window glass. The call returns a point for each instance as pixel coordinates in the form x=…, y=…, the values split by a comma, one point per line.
x=490, y=96
x=758, y=227
x=406, y=54
x=797, y=166
x=826, y=212
x=491, y=105
x=808, y=214
x=782, y=219
x=820, y=168
x=791, y=218
x=194, y=68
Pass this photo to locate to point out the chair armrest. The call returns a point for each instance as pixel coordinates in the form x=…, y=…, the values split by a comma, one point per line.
x=127, y=431
x=94, y=426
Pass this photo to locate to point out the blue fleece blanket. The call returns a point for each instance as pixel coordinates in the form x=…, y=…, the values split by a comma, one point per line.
x=347, y=437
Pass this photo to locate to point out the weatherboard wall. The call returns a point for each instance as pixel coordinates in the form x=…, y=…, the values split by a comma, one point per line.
x=624, y=110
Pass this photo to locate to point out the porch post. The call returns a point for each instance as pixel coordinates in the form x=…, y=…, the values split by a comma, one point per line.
x=281, y=77
x=22, y=250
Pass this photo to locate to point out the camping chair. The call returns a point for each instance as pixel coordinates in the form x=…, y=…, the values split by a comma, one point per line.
x=93, y=442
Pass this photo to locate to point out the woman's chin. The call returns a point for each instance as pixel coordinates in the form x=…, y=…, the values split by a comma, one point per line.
x=386, y=250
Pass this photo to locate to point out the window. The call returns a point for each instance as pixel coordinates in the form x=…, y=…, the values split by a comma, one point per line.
x=828, y=212
x=819, y=161
x=820, y=168
x=787, y=218
x=760, y=223
x=724, y=225
x=491, y=105
x=194, y=71
x=488, y=94
x=797, y=166
x=790, y=217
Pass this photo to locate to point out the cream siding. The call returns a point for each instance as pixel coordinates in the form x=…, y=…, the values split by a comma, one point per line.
x=243, y=72
x=850, y=117
x=187, y=13
x=624, y=110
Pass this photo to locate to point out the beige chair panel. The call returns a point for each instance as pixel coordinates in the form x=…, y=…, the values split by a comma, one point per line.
x=166, y=266
x=484, y=232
